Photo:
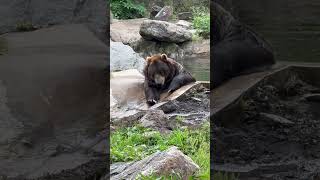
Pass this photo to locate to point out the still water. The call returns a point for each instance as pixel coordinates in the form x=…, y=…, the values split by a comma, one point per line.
x=291, y=26
x=198, y=66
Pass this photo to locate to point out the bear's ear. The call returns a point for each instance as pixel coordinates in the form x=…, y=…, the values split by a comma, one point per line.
x=148, y=59
x=164, y=57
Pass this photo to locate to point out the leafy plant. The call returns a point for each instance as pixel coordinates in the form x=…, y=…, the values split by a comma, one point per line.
x=201, y=21
x=127, y=9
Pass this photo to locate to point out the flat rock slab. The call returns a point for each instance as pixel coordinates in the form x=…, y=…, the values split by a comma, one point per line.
x=52, y=91
x=126, y=31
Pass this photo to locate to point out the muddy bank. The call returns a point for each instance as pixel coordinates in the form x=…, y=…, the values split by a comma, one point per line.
x=272, y=130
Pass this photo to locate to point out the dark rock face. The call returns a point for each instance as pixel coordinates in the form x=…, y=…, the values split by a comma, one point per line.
x=41, y=13
x=275, y=131
x=236, y=48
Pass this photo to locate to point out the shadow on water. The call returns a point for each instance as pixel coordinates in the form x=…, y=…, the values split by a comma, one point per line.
x=198, y=66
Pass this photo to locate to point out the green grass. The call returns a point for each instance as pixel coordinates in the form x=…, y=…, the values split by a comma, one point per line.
x=135, y=143
x=201, y=21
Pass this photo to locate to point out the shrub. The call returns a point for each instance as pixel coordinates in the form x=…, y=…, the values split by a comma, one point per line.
x=25, y=26
x=201, y=22
x=127, y=9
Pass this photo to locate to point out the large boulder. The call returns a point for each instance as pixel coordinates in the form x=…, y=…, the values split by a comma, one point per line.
x=122, y=57
x=159, y=163
x=164, y=31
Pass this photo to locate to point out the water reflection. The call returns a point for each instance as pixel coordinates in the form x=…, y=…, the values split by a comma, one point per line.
x=199, y=67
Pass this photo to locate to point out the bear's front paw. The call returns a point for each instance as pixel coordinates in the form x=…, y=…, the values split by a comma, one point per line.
x=151, y=102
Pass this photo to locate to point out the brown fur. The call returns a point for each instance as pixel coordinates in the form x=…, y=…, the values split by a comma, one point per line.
x=174, y=74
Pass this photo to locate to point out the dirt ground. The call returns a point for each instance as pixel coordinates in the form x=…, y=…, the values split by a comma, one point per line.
x=272, y=131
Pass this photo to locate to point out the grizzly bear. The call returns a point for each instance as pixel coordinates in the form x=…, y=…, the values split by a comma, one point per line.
x=163, y=74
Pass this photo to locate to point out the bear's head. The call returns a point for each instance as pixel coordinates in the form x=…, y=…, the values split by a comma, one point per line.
x=159, y=70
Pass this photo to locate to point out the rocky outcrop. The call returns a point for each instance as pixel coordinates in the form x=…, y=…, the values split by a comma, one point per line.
x=122, y=57
x=164, y=31
x=159, y=163
x=44, y=13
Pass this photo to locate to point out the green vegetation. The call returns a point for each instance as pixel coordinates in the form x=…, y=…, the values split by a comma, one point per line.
x=3, y=46
x=127, y=9
x=135, y=143
x=25, y=26
x=201, y=21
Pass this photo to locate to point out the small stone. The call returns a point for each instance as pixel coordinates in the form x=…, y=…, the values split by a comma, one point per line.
x=156, y=119
x=276, y=119
x=312, y=97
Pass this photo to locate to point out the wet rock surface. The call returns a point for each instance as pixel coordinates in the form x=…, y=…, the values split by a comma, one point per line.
x=271, y=131
x=164, y=31
x=159, y=163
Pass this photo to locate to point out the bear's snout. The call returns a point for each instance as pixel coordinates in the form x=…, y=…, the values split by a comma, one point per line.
x=159, y=79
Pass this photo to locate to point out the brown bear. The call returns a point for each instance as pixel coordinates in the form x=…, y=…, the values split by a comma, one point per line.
x=163, y=74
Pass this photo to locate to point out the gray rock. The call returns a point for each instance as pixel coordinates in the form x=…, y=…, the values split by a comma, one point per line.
x=276, y=119
x=185, y=16
x=159, y=163
x=156, y=119
x=164, y=14
x=127, y=119
x=164, y=31
x=184, y=24
x=122, y=57
x=154, y=11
